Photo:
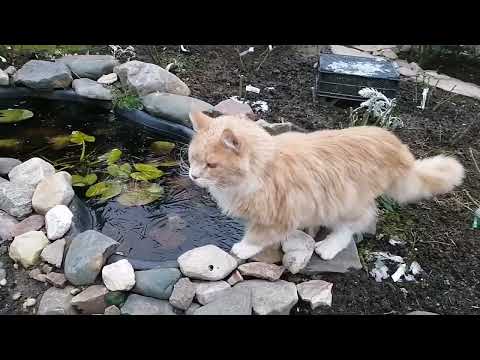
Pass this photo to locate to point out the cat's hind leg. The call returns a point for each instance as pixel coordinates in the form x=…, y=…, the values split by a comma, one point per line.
x=342, y=233
x=255, y=240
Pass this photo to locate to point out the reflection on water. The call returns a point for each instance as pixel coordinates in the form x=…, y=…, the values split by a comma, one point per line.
x=184, y=219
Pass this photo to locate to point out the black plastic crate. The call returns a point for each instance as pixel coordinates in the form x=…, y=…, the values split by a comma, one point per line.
x=342, y=76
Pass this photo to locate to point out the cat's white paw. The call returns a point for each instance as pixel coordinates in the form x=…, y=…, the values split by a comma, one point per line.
x=245, y=251
x=326, y=250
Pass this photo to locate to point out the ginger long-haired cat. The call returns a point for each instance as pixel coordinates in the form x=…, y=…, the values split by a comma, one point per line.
x=295, y=181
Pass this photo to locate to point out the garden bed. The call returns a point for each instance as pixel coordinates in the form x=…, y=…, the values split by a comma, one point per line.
x=437, y=233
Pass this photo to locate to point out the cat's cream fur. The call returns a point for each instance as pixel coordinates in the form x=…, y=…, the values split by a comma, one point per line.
x=294, y=181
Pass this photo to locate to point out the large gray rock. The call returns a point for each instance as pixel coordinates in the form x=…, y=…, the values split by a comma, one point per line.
x=43, y=75
x=260, y=270
x=56, y=301
x=4, y=79
x=31, y=172
x=156, y=283
x=89, y=66
x=32, y=223
x=7, y=226
x=52, y=191
x=91, y=89
x=16, y=198
x=182, y=294
x=26, y=248
x=271, y=298
x=91, y=300
x=173, y=107
x=86, y=256
x=207, y=291
x=345, y=260
x=207, y=263
x=143, y=305
x=146, y=78
x=7, y=164
x=53, y=253
x=298, y=248
x=232, y=302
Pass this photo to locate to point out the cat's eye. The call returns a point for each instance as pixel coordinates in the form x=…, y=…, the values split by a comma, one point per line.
x=211, y=165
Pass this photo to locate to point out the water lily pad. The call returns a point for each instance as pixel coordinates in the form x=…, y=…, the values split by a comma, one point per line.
x=59, y=142
x=10, y=116
x=97, y=189
x=80, y=181
x=9, y=143
x=79, y=138
x=122, y=171
x=169, y=163
x=142, y=195
x=112, y=156
x=113, y=189
x=162, y=147
x=146, y=172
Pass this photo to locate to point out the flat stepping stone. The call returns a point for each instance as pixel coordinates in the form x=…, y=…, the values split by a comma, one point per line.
x=346, y=260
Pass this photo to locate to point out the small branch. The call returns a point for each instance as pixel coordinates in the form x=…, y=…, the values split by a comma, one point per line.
x=474, y=161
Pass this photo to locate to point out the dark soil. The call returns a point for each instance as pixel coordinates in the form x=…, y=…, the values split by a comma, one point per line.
x=437, y=232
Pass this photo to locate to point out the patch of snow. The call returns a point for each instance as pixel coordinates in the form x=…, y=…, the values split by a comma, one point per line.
x=415, y=268
x=251, y=88
x=388, y=256
x=249, y=50
x=399, y=273
x=357, y=68
x=260, y=105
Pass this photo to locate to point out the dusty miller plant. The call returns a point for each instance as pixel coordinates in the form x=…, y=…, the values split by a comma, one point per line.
x=377, y=110
x=123, y=54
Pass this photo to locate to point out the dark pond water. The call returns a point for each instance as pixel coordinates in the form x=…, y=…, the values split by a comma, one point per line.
x=183, y=219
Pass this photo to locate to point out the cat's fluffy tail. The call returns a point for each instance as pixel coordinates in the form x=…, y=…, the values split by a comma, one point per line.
x=427, y=178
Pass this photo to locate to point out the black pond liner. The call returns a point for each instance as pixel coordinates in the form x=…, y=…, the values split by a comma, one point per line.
x=85, y=217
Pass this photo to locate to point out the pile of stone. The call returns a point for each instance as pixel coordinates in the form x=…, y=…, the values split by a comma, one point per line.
x=36, y=218
x=162, y=94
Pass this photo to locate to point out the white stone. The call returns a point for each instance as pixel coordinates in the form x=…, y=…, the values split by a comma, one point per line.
x=298, y=249
x=389, y=54
x=206, y=263
x=316, y=292
x=271, y=298
x=31, y=172
x=51, y=191
x=58, y=221
x=208, y=291
x=108, y=79
x=235, y=278
x=450, y=84
x=26, y=248
x=53, y=253
x=3, y=282
x=119, y=276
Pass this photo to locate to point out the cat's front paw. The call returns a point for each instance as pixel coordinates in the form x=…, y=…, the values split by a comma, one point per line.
x=326, y=250
x=245, y=251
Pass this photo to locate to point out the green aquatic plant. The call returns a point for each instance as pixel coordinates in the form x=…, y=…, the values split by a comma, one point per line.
x=59, y=142
x=146, y=172
x=81, y=181
x=111, y=157
x=162, y=147
x=79, y=138
x=121, y=171
x=9, y=144
x=10, y=116
x=143, y=194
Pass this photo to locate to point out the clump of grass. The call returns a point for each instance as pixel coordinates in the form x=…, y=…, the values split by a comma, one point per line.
x=126, y=100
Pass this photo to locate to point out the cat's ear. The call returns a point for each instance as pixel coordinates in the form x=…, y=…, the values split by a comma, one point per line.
x=199, y=120
x=230, y=140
